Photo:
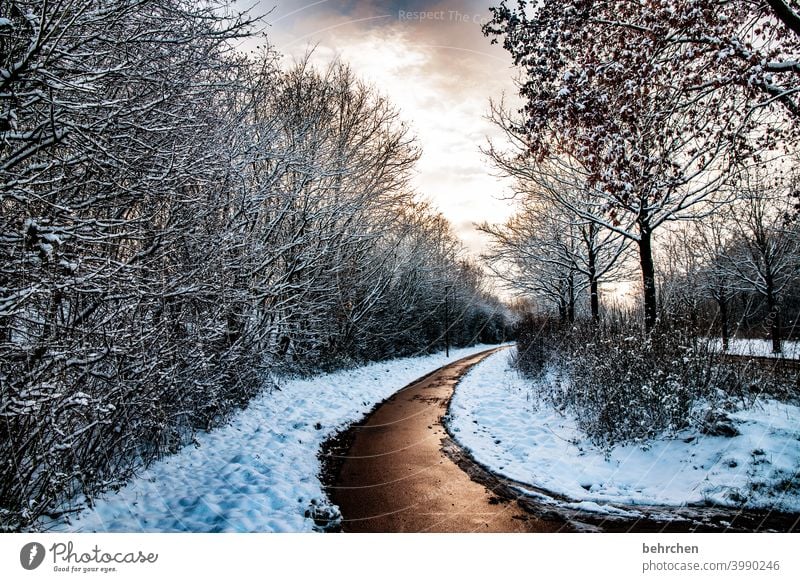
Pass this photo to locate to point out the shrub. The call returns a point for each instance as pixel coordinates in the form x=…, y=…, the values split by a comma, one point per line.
x=624, y=385
x=635, y=387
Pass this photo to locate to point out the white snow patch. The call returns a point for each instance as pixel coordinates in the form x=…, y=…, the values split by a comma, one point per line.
x=259, y=473
x=758, y=347
x=496, y=416
x=52, y=238
x=593, y=507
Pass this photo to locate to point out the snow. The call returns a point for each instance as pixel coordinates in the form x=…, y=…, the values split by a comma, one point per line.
x=597, y=508
x=259, y=473
x=4, y=22
x=52, y=238
x=758, y=347
x=495, y=415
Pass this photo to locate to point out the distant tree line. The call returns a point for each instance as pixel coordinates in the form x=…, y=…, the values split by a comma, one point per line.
x=178, y=220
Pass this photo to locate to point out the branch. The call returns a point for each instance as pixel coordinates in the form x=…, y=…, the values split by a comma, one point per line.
x=786, y=15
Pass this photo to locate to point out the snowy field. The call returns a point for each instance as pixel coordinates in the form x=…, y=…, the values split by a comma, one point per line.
x=758, y=347
x=259, y=472
x=494, y=415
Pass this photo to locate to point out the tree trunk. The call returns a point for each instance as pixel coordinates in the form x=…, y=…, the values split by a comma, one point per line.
x=594, y=293
x=562, y=311
x=773, y=319
x=648, y=278
x=722, y=302
x=447, y=320
x=571, y=299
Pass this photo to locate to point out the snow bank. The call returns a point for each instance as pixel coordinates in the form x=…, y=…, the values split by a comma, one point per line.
x=757, y=347
x=259, y=472
x=495, y=415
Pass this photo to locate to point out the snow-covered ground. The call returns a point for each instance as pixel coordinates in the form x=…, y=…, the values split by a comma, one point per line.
x=495, y=415
x=259, y=472
x=759, y=347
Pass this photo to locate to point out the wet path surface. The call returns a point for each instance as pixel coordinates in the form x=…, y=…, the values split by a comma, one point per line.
x=397, y=477
x=399, y=471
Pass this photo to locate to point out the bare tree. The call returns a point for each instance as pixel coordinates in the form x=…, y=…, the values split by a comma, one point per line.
x=711, y=239
x=548, y=252
x=112, y=151
x=763, y=254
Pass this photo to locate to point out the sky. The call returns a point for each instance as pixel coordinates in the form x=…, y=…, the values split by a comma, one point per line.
x=439, y=71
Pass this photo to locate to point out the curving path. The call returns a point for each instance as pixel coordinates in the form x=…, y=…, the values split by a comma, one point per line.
x=399, y=471
x=396, y=475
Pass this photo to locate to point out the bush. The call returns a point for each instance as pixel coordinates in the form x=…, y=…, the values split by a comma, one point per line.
x=635, y=387
x=537, y=344
x=623, y=385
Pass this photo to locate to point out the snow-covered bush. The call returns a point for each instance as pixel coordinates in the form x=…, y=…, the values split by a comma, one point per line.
x=631, y=388
x=624, y=385
x=536, y=339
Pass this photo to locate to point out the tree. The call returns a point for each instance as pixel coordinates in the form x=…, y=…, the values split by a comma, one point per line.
x=681, y=296
x=113, y=147
x=614, y=110
x=712, y=238
x=763, y=255
x=548, y=252
x=328, y=186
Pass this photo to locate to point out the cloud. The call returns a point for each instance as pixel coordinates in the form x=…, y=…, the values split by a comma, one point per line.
x=438, y=69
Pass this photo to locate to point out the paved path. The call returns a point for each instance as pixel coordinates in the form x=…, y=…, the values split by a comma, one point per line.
x=396, y=477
